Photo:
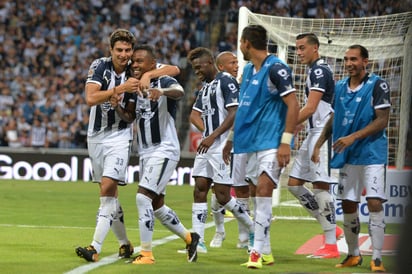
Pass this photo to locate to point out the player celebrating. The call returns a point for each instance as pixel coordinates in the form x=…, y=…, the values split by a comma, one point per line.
x=264, y=123
x=226, y=61
x=361, y=114
x=217, y=103
x=109, y=139
x=109, y=136
x=159, y=153
x=319, y=91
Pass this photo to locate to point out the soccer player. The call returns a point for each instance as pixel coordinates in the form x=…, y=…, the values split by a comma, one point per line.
x=361, y=114
x=217, y=103
x=109, y=137
x=320, y=87
x=264, y=125
x=226, y=61
x=159, y=153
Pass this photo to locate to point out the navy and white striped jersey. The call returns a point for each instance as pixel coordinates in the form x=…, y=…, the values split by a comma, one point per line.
x=212, y=101
x=104, y=122
x=156, y=130
x=320, y=79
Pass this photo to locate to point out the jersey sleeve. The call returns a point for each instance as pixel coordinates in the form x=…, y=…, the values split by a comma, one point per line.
x=318, y=79
x=198, y=102
x=96, y=72
x=381, y=95
x=169, y=82
x=230, y=90
x=281, y=76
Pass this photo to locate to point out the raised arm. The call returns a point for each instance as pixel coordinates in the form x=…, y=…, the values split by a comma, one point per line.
x=156, y=73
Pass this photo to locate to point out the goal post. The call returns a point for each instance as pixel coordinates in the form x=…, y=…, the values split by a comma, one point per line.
x=389, y=42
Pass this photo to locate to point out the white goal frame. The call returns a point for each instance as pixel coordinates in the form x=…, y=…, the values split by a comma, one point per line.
x=386, y=37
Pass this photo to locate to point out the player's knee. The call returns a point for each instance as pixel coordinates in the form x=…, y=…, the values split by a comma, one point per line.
x=295, y=182
x=374, y=205
x=321, y=186
x=142, y=200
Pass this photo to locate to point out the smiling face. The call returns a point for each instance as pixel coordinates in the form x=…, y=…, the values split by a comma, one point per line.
x=307, y=52
x=142, y=62
x=204, y=68
x=355, y=64
x=121, y=53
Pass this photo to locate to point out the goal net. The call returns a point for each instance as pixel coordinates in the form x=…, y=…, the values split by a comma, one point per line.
x=388, y=40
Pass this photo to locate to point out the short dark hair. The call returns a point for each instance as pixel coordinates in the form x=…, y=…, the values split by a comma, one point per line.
x=150, y=49
x=310, y=37
x=256, y=35
x=363, y=51
x=199, y=52
x=122, y=35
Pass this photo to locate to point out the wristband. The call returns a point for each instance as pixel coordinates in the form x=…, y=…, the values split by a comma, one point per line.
x=230, y=136
x=286, y=138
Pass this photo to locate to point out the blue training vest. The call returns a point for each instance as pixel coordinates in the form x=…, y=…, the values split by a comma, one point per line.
x=354, y=111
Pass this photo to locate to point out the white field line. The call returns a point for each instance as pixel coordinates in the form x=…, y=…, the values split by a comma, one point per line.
x=114, y=257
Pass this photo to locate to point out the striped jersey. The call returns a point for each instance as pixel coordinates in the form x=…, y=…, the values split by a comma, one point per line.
x=156, y=130
x=320, y=79
x=105, y=125
x=212, y=101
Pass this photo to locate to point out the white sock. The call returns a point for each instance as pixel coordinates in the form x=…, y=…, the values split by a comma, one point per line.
x=169, y=219
x=199, y=217
x=254, y=207
x=118, y=226
x=267, y=248
x=351, y=228
x=377, y=232
x=306, y=199
x=218, y=216
x=326, y=217
x=242, y=228
x=105, y=215
x=240, y=213
x=146, y=221
x=263, y=220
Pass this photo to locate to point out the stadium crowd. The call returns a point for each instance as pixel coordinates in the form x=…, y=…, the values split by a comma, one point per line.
x=47, y=46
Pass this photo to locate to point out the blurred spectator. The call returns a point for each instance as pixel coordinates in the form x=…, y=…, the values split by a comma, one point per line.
x=64, y=135
x=232, y=17
x=6, y=99
x=38, y=134
x=201, y=28
x=11, y=134
x=52, y=137
x=24, y=138
x=47, y=45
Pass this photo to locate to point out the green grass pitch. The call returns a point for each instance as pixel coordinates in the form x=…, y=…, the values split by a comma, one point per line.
x=41, y=223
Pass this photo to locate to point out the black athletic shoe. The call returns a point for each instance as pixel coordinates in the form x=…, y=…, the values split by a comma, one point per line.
x=88, y=253
x=126, y=251
x=192, y=248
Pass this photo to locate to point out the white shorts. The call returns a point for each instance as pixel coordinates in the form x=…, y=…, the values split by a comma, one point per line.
x=155, y=173
x=109, y=160
x=244, y=170
x=303, y=168
x=265, y=161
x=354, y=178
x=212, y=166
